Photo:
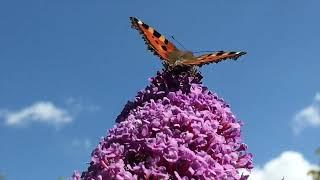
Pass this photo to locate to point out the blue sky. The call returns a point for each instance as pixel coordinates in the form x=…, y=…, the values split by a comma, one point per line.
x=68, y=67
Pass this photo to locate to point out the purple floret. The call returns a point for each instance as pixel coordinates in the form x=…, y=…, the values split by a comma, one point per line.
x=174, y=129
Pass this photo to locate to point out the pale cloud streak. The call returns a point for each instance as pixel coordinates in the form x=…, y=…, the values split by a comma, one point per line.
x=77, y=105
x=308, y=116
x=84, y=143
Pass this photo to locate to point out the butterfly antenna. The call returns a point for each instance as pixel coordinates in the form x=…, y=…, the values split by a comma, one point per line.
x=191, y=51
x=178, y=43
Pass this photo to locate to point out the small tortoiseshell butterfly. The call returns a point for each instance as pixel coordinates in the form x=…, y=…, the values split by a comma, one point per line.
x=173, y=56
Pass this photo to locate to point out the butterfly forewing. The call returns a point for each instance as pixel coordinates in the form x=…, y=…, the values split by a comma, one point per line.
x=212, y=58
x=156, y=42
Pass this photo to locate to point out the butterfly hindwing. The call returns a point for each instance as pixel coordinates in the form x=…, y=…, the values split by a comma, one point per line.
x=213, y=58
x=156, y=42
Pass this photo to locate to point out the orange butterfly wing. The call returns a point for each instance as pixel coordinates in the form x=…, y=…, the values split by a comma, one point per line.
x=156, y=42
x=213, y=58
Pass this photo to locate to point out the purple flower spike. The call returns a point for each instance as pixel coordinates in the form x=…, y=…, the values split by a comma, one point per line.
x=174, y=129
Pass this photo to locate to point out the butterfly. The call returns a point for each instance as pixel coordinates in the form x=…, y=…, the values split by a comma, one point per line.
x=173, y=56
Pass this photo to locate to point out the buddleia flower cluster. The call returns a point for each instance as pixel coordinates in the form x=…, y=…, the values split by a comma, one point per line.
x=174, y=129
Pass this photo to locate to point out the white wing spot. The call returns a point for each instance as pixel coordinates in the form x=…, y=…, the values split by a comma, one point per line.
x=162, y=38
x=150, y=29
x=140, y=22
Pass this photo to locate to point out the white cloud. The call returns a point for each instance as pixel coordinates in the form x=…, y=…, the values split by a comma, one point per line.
x=81, y=143
x=47, y=112
x=289, y=165
x=43, y=112
x=308, y=116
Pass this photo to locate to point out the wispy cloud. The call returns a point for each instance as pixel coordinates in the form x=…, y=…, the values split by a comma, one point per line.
x=42, y=111
x=81, y=143
x=308, y=116
x=289, y=165
x=77, y=105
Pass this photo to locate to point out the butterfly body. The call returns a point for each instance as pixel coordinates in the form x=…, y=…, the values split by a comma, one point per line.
x=171, y=55
x=178, y=57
